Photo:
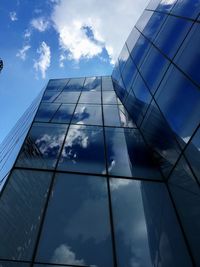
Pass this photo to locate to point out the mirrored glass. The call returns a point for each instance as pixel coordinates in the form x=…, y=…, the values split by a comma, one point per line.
x=75, y=84
x=128, y=155
x=83, y=150
x=64, y=113
x=186, y=196
x=92, y=84
x=77, y=228
x=120, y=89
x=13, y=264
x=90, y=98
x=88, y=114
x=132, y=39
x=46, y=112
x=187, y=8
x=115, y=73
x=109, y=98
x=129, y=73
x=49, y=96
x=147, y=232
x=111, y=115
x=68, y=97
x=123, y=57
x=126, y=120
x=56, y=84
x=42, y=146
x=19, y=218
x=107, y=84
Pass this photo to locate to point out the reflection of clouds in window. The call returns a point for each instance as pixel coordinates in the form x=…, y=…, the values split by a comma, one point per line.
x=64, y=254
x=77, y=137
x=118, y=183
x=112, y=165
x=167, y=2
x=47, y=143
x=186, y=139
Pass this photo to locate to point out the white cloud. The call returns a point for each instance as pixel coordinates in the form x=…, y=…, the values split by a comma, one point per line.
x=110, y=22
x=13, y=16
x=22, y=52
x=43, y=63
x=40, y=24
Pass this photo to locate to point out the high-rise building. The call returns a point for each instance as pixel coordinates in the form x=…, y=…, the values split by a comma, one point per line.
x=108, y=174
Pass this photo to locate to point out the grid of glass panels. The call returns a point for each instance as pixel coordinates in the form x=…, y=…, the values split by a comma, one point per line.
x=86, y=190
x=157, y=80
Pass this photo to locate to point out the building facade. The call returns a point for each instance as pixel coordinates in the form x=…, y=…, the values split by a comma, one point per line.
x=108, y=175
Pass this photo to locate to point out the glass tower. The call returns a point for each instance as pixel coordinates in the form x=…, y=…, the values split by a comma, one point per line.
x=108, y=174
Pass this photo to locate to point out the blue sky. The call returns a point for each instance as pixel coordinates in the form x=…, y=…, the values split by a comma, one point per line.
x=44, y=39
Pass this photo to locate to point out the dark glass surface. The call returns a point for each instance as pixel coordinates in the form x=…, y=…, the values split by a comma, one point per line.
x=186, y=195
x=109, y=97
x=146, y=231
x=57, y=84
x=128, y=155
x=88, y=114
x=64, y=113
x=50, y=96
x=90, y=98
x=75, y=84
x=115, y=73
x=46, y=112
x=188, y=57
x=77, y=228
x=107, y=84
x=132, y=39
x=187, y=8
x=192, y=153
x=179, y=101
x=21, y=207
x=83, y=150
x=172, y=34
x=13, y=264
x=42, y=146
x=154, y=68
x=92, y=84
x=111, y=115
x=129, y=73
x=68, y=97
x=125, y=118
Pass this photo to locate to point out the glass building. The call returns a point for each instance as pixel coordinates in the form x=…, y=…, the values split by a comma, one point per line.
x=108, y=174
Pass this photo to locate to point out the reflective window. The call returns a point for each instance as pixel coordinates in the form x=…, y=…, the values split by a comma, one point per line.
x=144, y=20
x=111, y=115
x=125, y=118
x=68, y=97
x=123, y=57
x=187, y=8
x=13, y=264
x=90, y=98
x=88, y=114
x=128, y=155
x=92, y=84
x=120, y=89
x=57, y=84
x=179, y=101
x=64, y=114
x=186, y=195
x=115, y=73
x=42, y=146
x=147, y=232
x=172, y=34
x=83, y=150
x=107, y=84
x=188, y=57
x=75, y=84
x=49, y=96
x=46, y=112
x=76, y=228
x=132, y=39
x=154, y=68
x=129, y=73
x=109, y=98
x=19, y=218
x=161, y=5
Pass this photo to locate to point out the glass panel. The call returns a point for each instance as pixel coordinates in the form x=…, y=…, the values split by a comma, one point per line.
x=75, y=84
x=125, y=118
x=129, y=73
x=13, y=264
x=147, y=232
x=90, y=98
x=42, y=146
x=144, y=20
x=57, y=84
x=92, y=84
x=83, y=150
x=50, y=96
x=188, y=57
x=68, y=97
x=132, y=39
x=179, y=101
x=187, y=8
x=186, y=195
x=123, y=57
x=107, y=84
x=111, y=115
x=64, y=114
x=120, y=90
x=115, y=74
x=88, y=114
x=128, y=155
x=76, y=228
x=19, y=218
x=172, y=34
x=109, y=98
x=46, y=112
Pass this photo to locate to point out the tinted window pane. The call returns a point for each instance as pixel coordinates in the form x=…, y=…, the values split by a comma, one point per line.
x=107, y=84
x=111, y=115
x=50, y=96
x=13, y=264
x=124, y=55
x=64, y=113
x=129, y=73
x=92, y=84
x=150, y=234
x=132, y=39
x=187, y=8
x=128, y=154
x=88, y=114
x=56, y=85
x=109, y=97
x=76, y=228
x=68, y=97
x=83, y=150
x=125, y=118
x=46, y=112
x=90, y=98
x=19, y=218
x=75, y=84
x=42, y=146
